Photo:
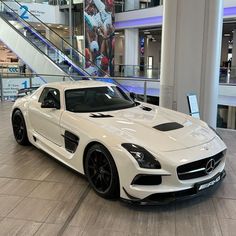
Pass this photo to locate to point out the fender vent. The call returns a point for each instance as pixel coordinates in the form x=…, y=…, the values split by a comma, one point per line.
x=100, y=115
x=168, y=126
x=71, y=141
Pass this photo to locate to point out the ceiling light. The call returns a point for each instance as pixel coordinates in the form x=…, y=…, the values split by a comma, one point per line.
x=227, y=35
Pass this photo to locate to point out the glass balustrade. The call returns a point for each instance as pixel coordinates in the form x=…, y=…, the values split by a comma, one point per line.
x=137, y=71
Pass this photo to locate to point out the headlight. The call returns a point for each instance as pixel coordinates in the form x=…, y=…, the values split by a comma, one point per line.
x=144, y=158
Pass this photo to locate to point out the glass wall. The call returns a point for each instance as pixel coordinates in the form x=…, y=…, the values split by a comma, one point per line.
x=128, y=5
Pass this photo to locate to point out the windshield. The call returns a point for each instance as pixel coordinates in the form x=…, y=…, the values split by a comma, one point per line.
x=97, y=99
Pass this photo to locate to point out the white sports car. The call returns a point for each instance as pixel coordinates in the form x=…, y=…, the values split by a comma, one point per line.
x=140, y=152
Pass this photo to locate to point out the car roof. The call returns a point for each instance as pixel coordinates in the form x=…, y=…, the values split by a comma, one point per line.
x=77, y=84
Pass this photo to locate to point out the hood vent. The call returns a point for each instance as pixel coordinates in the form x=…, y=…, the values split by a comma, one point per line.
x=168, y=126
x=146, y=108
x=100, y=115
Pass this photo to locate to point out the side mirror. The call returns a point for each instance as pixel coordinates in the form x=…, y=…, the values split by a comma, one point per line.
x=133, y=95
x=49, y=104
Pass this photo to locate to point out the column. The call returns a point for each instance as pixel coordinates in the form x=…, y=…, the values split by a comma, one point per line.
x=131, y=52
x=131, y=5
x=191, y=44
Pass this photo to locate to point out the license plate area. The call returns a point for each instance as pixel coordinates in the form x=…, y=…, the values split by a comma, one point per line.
x=209, y=183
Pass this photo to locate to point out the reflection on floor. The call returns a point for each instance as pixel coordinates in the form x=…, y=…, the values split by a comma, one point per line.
x=39, y=196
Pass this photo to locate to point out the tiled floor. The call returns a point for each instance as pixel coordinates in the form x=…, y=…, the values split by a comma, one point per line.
x=39, y=196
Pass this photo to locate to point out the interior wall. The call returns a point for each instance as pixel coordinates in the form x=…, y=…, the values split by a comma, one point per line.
x=119, y=50
x=153, y=48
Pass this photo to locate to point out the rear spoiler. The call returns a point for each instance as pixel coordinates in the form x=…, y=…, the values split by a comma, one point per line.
x=26, y=91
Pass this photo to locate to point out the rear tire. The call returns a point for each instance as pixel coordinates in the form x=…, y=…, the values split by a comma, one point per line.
x=101, y=172
x=19, y=128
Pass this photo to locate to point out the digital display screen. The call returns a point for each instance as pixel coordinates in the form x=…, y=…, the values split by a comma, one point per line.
x=193, y=105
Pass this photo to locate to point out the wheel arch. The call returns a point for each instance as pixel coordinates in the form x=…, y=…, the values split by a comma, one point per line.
x=88, y=146
x=14, y=110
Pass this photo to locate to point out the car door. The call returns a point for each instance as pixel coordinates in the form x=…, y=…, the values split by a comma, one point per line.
x=46, y=121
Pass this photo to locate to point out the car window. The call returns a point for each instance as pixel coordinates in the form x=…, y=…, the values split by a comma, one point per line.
x=50, y=94
x=97, y=99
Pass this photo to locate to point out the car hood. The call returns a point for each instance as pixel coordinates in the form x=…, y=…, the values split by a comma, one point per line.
x=153, y=127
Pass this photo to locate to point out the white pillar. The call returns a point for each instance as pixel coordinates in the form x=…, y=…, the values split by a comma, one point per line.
x=131, y=51
x=191, y=43
x=131, y=5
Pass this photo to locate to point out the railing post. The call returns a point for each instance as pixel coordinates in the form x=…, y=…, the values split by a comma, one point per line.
x=1, y=91
x=145, y=91
x=30, y=81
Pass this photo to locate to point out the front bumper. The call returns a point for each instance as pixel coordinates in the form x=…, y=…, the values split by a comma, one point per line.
x=200, y=188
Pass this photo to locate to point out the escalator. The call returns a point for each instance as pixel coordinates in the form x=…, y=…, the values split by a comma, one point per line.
x=47, y=54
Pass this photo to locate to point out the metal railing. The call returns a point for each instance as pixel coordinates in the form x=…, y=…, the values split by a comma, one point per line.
x=11, y=82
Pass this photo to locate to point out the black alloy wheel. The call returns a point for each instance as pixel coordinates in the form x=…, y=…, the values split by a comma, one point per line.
x=101, y=172
x=19, y=128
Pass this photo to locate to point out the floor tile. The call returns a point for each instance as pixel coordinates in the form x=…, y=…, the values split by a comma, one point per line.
x=64, y=175
x=8, y=203
x=228, y=227
x=226, y=191
x=74, y=192
x=197, y=225
x=18, y=187
x=50, y=190
x=98, y=213
x=48, y=229
x=76, y=231
x=12, y=227
x=196, y=206
x=60, y=214
x=33, y=209
x=225, y=208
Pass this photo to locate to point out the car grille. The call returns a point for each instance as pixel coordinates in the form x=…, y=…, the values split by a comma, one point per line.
x=199, y=168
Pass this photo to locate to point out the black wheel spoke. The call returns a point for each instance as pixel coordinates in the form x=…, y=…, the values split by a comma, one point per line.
x=99, y=171
x=107, y=173
x=18, y=127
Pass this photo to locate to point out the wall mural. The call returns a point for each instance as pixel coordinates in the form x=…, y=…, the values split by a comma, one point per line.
x=99, y=36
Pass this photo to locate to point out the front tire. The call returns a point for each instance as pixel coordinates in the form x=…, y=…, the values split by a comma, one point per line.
x=19, y=128
x=101, y=172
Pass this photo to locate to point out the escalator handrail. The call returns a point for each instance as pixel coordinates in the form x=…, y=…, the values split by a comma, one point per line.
x=42, y=38
x=66, y=74
x=78, y=52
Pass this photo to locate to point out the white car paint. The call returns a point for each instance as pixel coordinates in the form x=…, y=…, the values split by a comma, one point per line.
x=195, y=141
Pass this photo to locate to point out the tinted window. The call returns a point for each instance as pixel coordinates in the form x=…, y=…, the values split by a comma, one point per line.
x=50, y=94
x=97, y=99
